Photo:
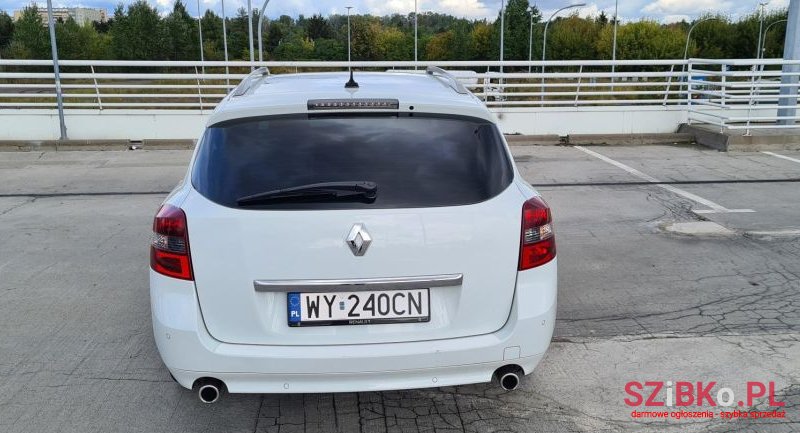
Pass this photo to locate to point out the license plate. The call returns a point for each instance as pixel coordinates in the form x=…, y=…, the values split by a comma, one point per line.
x=358, y=308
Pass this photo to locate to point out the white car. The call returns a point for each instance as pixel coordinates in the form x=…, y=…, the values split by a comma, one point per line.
x=333, y=238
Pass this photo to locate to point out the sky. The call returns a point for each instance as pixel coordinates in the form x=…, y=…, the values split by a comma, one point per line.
x=664, y=11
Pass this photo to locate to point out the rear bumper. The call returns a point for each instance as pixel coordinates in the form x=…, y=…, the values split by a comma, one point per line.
x=190, y=353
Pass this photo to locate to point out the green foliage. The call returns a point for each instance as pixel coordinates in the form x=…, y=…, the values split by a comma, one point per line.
x=6, y=30
x=642, y=40
x=30, y=39
x=518, y=29
x=139, y=32
x=180, y=34
x=567, y=39
x=76, y=42
x=317, y=27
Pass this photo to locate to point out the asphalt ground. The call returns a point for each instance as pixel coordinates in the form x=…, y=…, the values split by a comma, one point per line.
x=653, y=287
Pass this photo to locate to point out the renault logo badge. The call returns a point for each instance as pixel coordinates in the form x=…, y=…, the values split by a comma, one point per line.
x=358, y=239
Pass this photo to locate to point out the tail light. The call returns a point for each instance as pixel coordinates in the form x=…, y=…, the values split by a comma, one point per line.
x=169, y=250
x=537, y=243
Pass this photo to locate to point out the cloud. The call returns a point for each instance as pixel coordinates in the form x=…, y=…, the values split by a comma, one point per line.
x=629, y=10
x=465, y=8
x=669, y=19
x=685, y=7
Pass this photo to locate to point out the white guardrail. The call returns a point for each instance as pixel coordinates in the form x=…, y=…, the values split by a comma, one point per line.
x=104, y=84
x=744, y=93
x=726, y=93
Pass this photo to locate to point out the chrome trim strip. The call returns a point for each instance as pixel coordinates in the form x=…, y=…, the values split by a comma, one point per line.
x=358, y=284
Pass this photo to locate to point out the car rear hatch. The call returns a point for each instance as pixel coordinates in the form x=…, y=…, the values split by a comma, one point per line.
x=445, y=217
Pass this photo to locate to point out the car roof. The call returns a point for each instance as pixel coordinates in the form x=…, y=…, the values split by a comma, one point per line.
x=289, y=94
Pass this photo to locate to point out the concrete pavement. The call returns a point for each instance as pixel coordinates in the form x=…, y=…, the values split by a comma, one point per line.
x=636, y=302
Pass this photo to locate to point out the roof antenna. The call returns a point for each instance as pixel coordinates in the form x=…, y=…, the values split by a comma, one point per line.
x=352, y=84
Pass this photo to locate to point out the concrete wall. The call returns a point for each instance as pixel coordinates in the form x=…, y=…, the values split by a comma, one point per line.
x=183, y=124
x=591, y=120
x=101, y=125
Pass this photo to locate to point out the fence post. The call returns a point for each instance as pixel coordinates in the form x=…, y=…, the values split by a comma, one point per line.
x=753, y=70
x=96, y=89
x=487, y=81
x=578, y=90
x=199, y=91
x=669, y=84
x=688, y=81
x=724, y=85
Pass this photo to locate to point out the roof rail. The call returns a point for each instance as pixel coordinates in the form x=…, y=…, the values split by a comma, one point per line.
x=247, y=83
x=454, y=83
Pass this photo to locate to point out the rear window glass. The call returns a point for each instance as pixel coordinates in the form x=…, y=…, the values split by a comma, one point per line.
x=416, y=161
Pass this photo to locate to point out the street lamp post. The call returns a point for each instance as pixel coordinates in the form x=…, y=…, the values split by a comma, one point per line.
x=225, y=44
x=614, y=43
x=415, y=34
x=200, y=29
x=530, y=41
x=56, y=71
x=260, y=27
x=502, y=33
x=348, y=37
x=544, y=39
x=250, y=30
x=764, y=38
x=760, y=27
x=689, y=35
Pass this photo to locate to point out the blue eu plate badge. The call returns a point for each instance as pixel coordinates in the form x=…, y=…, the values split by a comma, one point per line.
x=293, y=302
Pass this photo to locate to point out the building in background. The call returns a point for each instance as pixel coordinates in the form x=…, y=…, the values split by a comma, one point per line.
x=81, y=16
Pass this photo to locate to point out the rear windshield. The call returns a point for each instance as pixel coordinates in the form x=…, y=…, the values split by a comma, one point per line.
x=415, y=160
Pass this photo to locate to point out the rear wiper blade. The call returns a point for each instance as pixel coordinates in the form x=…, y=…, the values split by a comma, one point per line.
x=325, y=190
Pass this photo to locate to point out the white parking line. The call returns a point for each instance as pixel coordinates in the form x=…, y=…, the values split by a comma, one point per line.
x=782, y=156
x=713, y=207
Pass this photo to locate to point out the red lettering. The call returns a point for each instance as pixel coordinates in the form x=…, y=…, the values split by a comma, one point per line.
x=684, y=389
x=629, y=390
x=651, y=399
x=772, y=401
x=751, y=393
x=705, y=393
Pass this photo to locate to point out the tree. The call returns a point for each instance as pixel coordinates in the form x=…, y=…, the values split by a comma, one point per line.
x=317, y=27
x=364, y=31
x=76, y=42
x=393, y=44
x=602, y=19
x=238, y=42
x=30, y=39
x=711, y=39
x=438, y=47
x=181, y=40
x=481, y=38
x=6, y=29
x=137, y=34
x=295, y=47
x=567, y=39
x=642, y=40
x=517, y=31
x=212, y=36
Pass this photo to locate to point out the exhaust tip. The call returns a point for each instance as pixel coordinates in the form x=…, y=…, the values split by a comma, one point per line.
x=209, y=390
x=509, y=381
x=208, y=394
x=509, y=376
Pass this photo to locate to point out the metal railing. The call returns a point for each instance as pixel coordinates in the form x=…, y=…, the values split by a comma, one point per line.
x=106, y=85
x=734, y=94
x=743, y=94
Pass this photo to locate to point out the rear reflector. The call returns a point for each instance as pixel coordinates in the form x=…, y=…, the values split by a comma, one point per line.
x=537, y=242
x=353, y=104
x=169, y=249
